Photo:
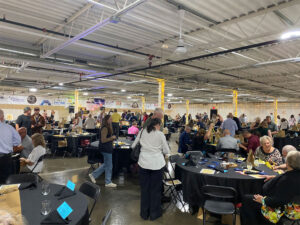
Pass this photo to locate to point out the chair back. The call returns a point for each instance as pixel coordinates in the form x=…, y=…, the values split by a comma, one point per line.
x=92, y=191
x=22, y=178
x=39, y=160
x=220, y=193
x=173, y=158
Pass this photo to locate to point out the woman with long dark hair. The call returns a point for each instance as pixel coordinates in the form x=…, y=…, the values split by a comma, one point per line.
x=151, y=161
x=106, y=148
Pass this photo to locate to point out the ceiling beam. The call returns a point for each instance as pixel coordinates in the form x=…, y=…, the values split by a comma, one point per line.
x=67, y=21
x=93, y=28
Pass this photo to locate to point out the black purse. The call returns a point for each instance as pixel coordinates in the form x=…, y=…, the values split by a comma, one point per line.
x=135, y=153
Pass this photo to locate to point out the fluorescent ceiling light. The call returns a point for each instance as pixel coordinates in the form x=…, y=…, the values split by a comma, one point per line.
x=129, y=97
x=198, y=89
x=61, y=84
x=10, y=67
x=235, y=53
x=102, y=5
x=290, y=34
x=32, y=89
x=170, y=95
x=96, y=74
x=85, y=93
x=135, y=82
x=123, y=90
x=19, y=52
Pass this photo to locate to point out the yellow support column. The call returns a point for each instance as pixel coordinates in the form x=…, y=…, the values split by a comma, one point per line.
x=187, y=103
x=76, y=94
x=275, y=110
x=161, y=94
x=143, y=103
x=235, y=102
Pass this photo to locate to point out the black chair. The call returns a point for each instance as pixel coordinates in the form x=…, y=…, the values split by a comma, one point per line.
x=219, y=200
x=106, y=217
x=92, y=191
x=22, y=178
x=173, y=185
x=94, y=157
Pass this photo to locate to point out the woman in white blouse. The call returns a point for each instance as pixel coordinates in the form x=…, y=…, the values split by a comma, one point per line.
x=151, y=162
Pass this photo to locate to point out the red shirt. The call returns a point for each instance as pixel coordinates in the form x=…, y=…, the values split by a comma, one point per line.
x=253, y=143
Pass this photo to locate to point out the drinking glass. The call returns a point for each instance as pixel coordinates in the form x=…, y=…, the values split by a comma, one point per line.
x=45, y=188
x=249, y=165
x=256, y=163
x=46, y=207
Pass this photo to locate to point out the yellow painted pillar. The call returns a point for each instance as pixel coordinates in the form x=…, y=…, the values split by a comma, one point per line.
x=143, y=104
x=161, y=94
x=275, y=110
x=76, y=94
x=187, y=104
x=235, y=102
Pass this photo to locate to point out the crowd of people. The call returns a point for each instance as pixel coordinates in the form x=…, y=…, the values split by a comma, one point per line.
x=30, y=145
x=235, y=134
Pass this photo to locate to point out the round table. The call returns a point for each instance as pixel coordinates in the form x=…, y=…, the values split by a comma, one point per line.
x=31, y=205
x=192, y=180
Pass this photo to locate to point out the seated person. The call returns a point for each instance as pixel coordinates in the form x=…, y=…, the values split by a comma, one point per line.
x=26, y=143
x=267, y=152
x=263, y=129
x=253, y=142
x=38, y=151
x=200, y=124
x=199, y=140
x=227, y=142
x=185, y=140
x=133, y=129
x=255, y=124
x=277, y=192
x=285, y=150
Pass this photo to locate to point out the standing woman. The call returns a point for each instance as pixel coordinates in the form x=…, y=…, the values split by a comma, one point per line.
x=106, y=148
x=151, y=162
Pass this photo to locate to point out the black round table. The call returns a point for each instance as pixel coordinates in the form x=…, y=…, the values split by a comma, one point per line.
x=31, y=205
x=192, y=180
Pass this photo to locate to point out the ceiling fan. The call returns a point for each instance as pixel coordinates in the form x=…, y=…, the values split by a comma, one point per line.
x=181, y=46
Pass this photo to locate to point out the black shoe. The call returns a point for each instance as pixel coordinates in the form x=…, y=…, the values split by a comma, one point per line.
x=165, y=199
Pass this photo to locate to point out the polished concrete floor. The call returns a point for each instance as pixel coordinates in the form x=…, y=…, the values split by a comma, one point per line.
x=123, y=200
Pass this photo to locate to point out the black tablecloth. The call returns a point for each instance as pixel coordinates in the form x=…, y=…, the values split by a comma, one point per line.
x=73, y=142
x=280, y=142
x=192, y=181
x=31, y=205
x=121, y=156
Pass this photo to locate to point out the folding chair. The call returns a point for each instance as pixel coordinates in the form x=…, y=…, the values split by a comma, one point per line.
x=92, y=191
x=106, y=217
x=219, y=200
x=172, y=184
x=94, y=157
x=37, y=174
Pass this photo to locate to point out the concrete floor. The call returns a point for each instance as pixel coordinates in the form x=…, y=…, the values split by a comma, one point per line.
x=124, y=200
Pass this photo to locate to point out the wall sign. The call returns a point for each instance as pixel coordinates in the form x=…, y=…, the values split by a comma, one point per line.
x=31, y=99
